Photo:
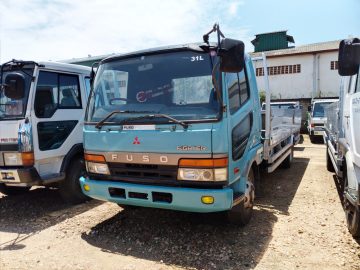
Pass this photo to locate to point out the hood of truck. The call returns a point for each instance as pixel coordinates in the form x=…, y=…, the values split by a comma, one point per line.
x=9, y=132
x=196, y=139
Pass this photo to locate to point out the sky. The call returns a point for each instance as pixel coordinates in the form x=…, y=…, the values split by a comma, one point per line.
x=65, y=29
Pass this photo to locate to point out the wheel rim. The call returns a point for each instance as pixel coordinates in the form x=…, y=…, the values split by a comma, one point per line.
x=350, y=210
x=249, y=192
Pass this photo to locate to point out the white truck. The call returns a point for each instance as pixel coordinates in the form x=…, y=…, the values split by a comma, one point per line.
x=42, y=106
x=316, y=117
x=342, y=133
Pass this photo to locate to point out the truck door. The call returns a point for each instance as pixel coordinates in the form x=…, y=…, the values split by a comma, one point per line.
x=57, y=121
x=240, y=120
x=353, y=127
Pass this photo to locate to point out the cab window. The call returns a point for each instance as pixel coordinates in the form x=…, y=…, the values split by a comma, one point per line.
x=56, y=91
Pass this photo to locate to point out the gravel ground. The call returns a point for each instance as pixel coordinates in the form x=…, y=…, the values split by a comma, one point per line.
x=297, y=224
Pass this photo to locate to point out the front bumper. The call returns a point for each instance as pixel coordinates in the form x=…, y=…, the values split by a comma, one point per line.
x=19, y=176
x=182, y=199
x=317, y=131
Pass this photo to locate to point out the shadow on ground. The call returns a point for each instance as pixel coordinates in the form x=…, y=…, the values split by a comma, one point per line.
x=202, y=241
x=34, y=211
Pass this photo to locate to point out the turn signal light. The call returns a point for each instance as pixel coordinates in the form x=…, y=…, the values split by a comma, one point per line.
x=94, y=158
x=204, y=163
x=27, y=158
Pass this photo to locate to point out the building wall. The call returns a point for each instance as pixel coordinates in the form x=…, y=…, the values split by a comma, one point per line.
x=315, y=78
x=329, y=80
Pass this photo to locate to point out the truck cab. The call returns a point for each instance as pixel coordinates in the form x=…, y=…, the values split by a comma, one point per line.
x=179, y=128
x=316, y=117
x=42, y=105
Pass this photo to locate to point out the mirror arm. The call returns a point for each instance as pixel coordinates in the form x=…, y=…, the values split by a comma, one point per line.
x=216, y=85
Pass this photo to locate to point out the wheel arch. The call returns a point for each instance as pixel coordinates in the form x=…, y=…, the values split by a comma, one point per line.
x=75, y=151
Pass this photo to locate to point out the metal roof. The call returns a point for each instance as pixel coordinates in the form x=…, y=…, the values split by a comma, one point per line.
x=303, y=49
x=273, y=32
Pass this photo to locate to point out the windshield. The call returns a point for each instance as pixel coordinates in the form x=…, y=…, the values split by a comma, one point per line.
x=178, y=84
x=10, y=108
x=319, y=109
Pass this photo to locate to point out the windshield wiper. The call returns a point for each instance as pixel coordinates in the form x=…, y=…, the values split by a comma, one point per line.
x=102, y=122
x=147, y=116
x=153, y=116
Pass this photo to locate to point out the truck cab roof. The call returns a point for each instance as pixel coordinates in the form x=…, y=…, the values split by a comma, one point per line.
x=324, y=100
x=51, y=65
x=163, y=49
x=65, y=67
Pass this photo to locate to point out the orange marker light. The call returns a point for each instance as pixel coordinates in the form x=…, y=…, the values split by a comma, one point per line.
x=94, y=158
x=27, y=158
x=204, y=163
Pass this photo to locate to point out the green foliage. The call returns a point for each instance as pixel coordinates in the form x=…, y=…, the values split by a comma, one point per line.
x=262, y=96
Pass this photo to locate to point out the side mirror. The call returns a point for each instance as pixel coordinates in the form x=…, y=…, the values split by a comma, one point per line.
x=231, y=54
x=93, y=72
x=309, y=108
x=349, y=56
x=15, y=86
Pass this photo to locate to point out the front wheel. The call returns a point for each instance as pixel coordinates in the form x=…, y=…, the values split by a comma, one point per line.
x=352, y=213
x=11, y=191
x=70, y=189
x=242, y=213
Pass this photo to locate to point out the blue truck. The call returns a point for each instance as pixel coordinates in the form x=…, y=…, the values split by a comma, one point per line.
x=180, y=127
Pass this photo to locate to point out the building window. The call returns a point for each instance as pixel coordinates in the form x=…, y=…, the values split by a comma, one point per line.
x=279, y=70
x=334, y=65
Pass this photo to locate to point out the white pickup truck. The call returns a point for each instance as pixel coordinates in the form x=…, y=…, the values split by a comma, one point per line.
x=42, y=106
x=342, y=133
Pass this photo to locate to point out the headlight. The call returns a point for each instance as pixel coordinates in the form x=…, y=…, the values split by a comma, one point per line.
x=13, y=159
x=99, y=168
x=19, y=159
x=207, y=169
x=191, y=174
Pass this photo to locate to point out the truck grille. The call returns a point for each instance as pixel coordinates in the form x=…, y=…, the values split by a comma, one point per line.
x=126, y=171
x=319, y=125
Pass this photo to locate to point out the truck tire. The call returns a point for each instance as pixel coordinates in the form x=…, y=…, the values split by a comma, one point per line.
x=329, y=165
x=352, y=213
x=70, y=189
x=241, y=213
x=11, y=191
x=286, y=164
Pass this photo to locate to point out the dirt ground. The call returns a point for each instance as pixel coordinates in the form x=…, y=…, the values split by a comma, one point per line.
x=298, y=224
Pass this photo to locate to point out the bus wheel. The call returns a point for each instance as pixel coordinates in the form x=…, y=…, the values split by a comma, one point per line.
x=241, y=213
